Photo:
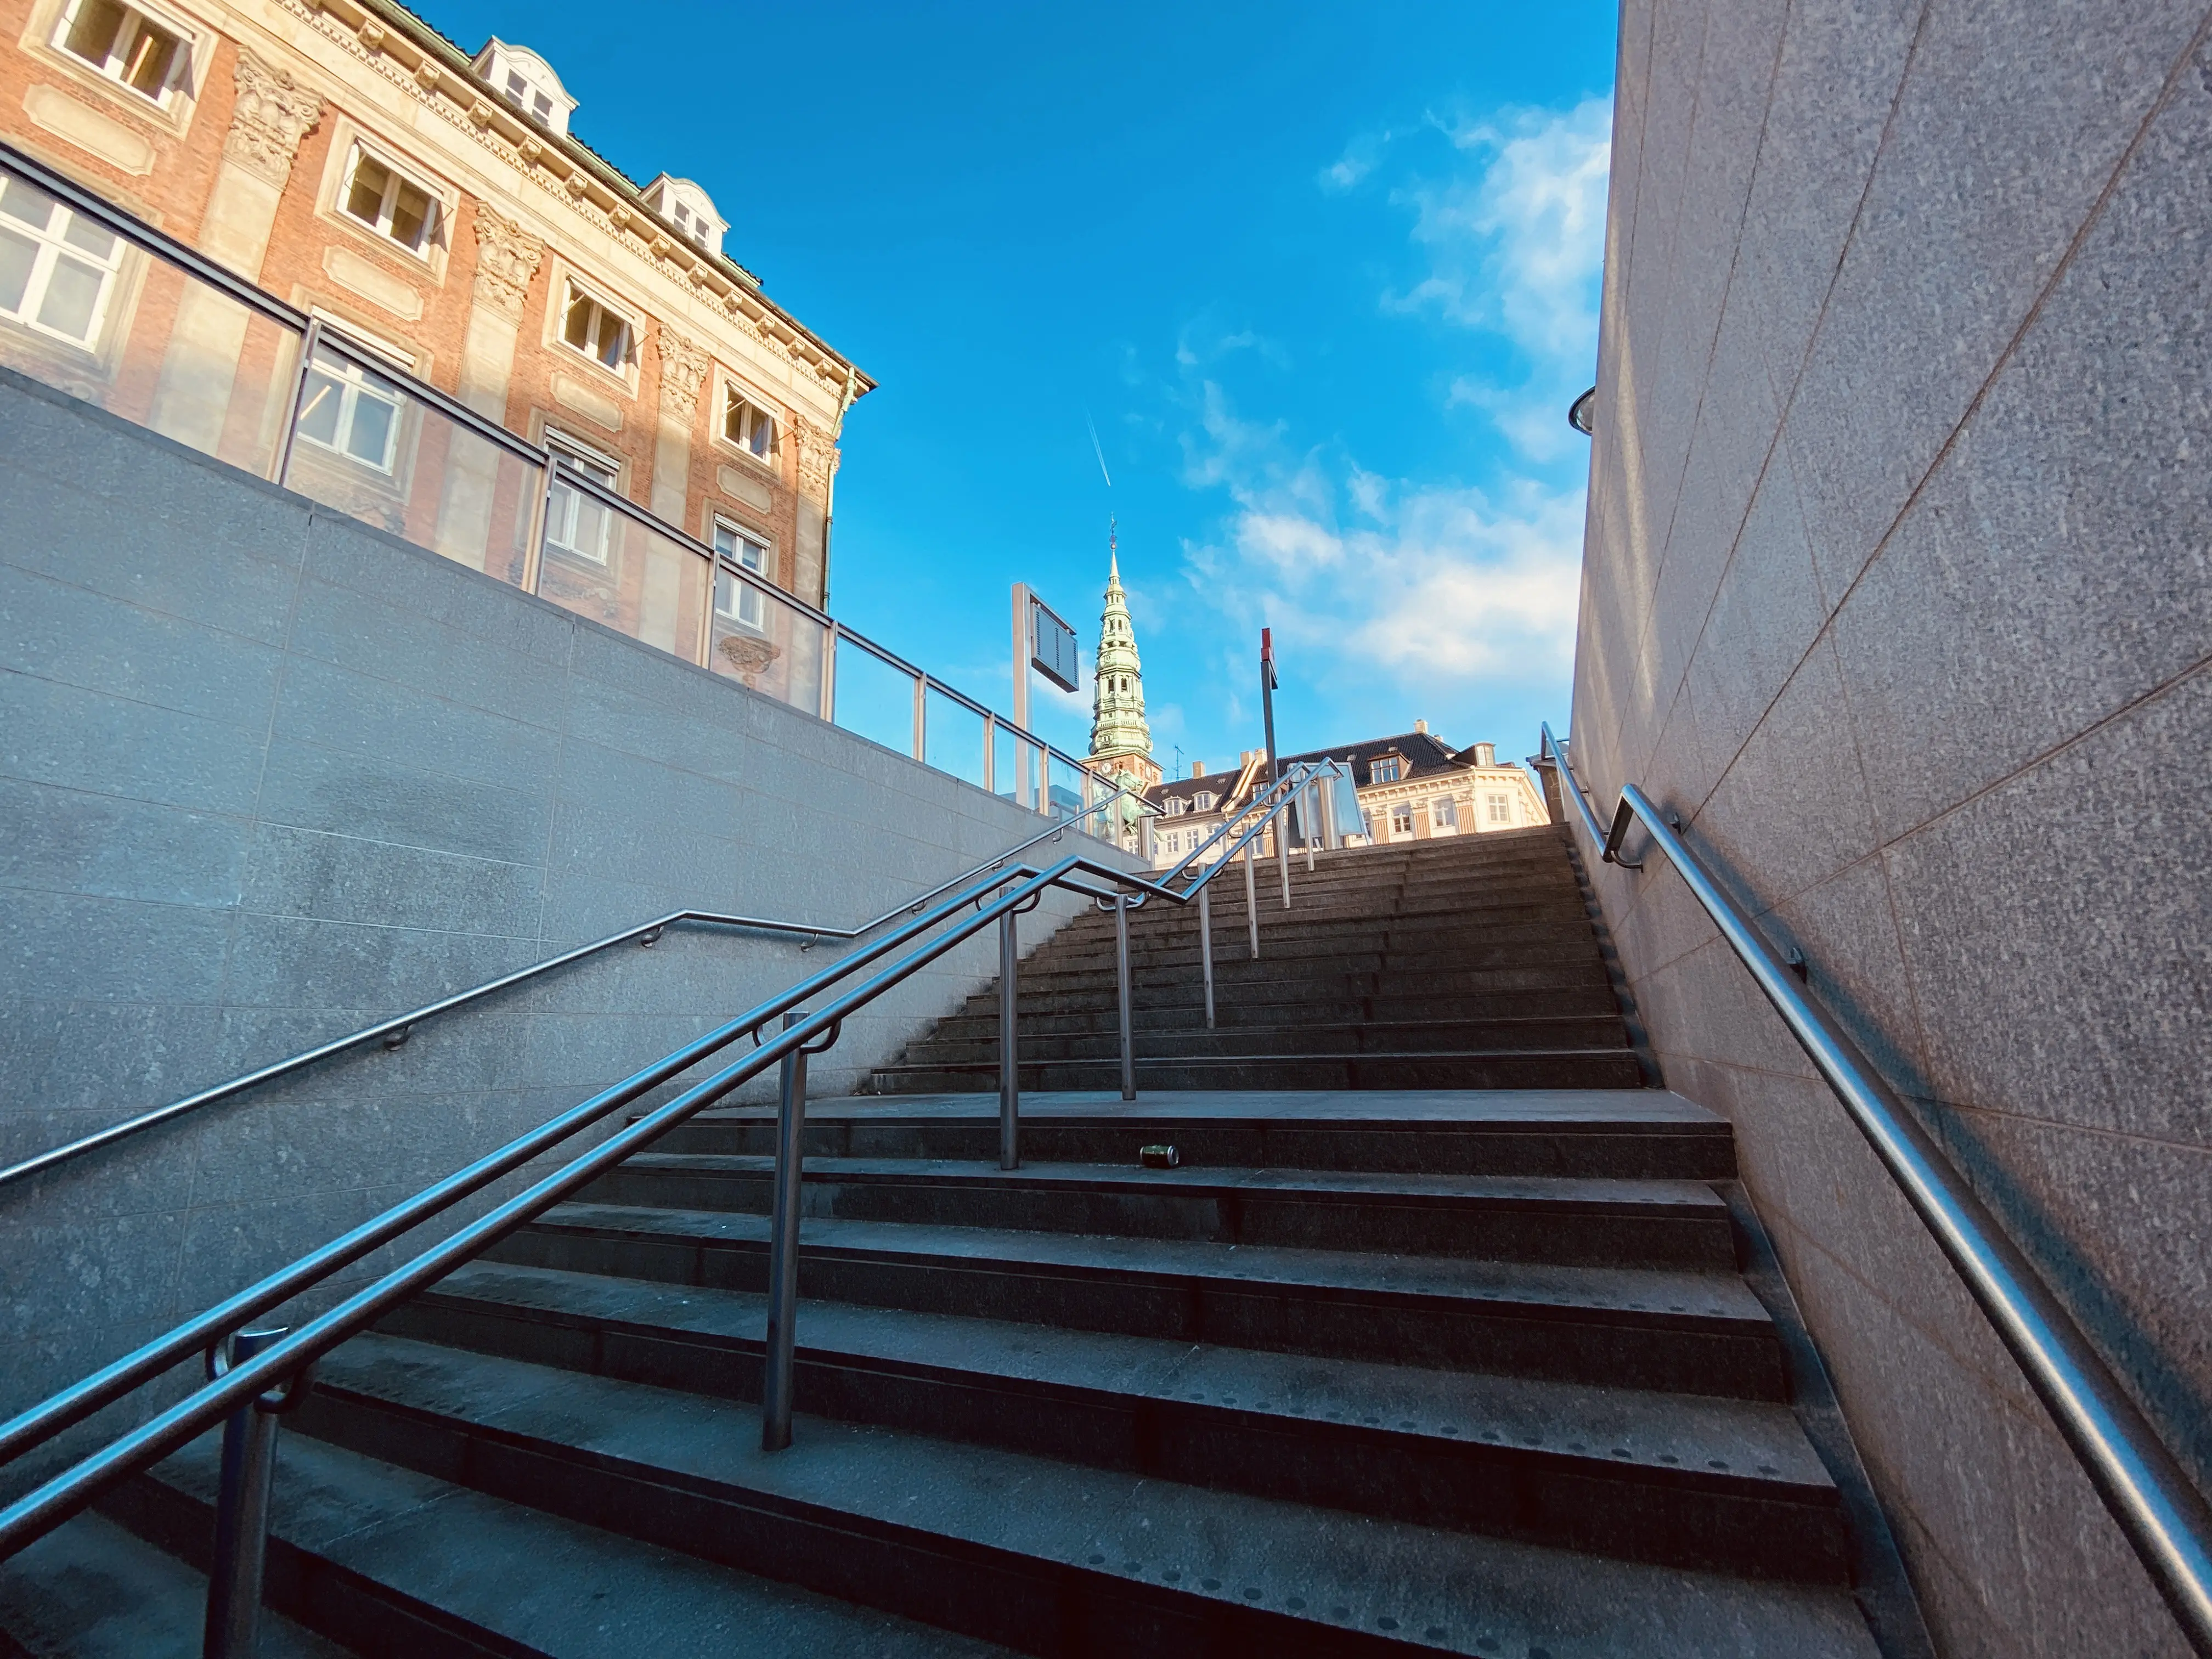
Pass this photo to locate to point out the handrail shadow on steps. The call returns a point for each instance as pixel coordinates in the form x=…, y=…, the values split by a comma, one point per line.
x=2164, y=1516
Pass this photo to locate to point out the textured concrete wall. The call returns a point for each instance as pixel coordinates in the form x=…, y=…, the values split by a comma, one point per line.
x=1899, y=589
x=267, y=775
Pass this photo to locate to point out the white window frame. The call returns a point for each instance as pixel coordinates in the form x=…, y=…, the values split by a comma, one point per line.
x=434, y=227
x=1444, y=813
x=1402, y=818
x=569, y=512
x=526, y=96
x=1497, y=808
x=177, y=84
x=1396, y=774
x=53, y=248
x=736, y=397
x=1202, y=801
x=353, y=385
x=578, y=289
x=738, y=601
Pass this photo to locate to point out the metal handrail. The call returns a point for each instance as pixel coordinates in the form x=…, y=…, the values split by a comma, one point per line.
x=162, y=245
x=67, y=1492
x=399, y=1025
x=2164, y=1516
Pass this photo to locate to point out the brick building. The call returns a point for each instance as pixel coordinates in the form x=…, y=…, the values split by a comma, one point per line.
x=432, y=207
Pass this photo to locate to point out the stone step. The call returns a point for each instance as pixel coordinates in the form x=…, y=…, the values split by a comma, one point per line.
x=1592, y=999
x=1044, y=1555
x=397, y=1559
x=1705, y=1484
x=1257, y=987
x=1674, y=1224
x=1319, y=1035
x=1677, y=1331
x=1549, y=1068
x=1619, y=1133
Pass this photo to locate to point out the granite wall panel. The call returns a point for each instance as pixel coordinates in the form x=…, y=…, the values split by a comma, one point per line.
x=274, y=776
x=1944, y=693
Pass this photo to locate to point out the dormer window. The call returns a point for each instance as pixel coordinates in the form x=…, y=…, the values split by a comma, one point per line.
x=688, y=208
x=748, y=426
x=1387, y=769
x=1174, y=807
x=1202, y=801
x=143, y=53
x=527, y=81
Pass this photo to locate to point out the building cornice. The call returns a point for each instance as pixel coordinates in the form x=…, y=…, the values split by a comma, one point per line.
x=411, y=55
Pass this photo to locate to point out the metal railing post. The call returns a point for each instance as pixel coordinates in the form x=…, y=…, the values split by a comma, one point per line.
x=783, y=1248
x=1010, y=1084
x=1121, y=974
x=1206, y=945
x=921, y=716
x=1283, y=853
x=309, y=342
x=830, y=673
x=1251, y=900
x=990, y=753
x=1312, y=793
x=241, y=1513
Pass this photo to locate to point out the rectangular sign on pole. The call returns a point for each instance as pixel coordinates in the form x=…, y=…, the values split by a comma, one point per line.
x=1052, y=646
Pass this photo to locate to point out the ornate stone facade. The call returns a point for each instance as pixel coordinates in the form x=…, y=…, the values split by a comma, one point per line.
x=274, y=113
x=683, y=365
x=507, y=257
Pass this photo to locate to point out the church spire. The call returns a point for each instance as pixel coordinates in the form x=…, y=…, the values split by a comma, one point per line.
x=1120, y=735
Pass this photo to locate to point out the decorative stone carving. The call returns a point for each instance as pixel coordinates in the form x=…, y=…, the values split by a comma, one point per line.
x=529, y=150
x=428, y=75
x=372, y=34
x=683, y=371
x=274, y=113
x=482, y=113
x=507, y=257
x=749, y=654
x=817, y=456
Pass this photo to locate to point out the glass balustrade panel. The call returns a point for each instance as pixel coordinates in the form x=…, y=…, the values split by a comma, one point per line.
x=601, y=562
x=875, y=698
x=763, y=641
x=365, y=444
x=952, y=737
x=88, y=312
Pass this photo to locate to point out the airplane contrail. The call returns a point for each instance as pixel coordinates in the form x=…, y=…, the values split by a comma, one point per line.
x=1097, y=449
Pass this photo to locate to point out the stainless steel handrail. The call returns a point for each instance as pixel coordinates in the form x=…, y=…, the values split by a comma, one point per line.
x=400, y=1025
x=71, y=1491
x=2164, y=1516
x=166, y=247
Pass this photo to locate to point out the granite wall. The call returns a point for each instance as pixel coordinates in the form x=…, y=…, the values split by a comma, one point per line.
x=267, y=775
x=1899, y=589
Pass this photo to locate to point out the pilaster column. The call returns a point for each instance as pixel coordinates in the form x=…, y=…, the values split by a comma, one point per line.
x=817, y=464
x=507, y=257
x=683, y=366
x=192, y=400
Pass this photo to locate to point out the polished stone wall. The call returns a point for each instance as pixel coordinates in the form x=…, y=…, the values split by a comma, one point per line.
x=1899, y=589
x=268, y=776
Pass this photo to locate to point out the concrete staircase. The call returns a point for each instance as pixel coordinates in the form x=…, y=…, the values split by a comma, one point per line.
x=1464, y=963
x=1405, y=1367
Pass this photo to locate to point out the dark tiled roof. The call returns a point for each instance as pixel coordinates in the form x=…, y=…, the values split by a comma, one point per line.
x=1426, y=754
x=1217, y=783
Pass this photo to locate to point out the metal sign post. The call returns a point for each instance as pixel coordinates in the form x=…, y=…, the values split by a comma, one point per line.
x=1045, y=642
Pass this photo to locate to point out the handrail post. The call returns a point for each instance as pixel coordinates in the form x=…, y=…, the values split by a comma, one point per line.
x=1121, y=974
x=990, y=752
x=920, y=715
x=241, y=1515
x=1251, y=901
x=1283, y=853
x=281, y=462
x=783, y=1248
x=1206, y=945
x=830, y=673
x=1010, y=1084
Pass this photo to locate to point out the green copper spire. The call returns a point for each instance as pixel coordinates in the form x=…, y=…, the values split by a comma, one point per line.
x=1117, y=707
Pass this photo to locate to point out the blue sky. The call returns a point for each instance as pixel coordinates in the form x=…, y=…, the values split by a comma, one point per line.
x=1323, y=278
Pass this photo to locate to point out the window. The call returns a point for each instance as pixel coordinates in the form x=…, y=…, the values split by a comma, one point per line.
x=1401, y=819
x=125, y=45
x=575, y=522
x=737, y=600
x=748, y=426
x=1174, y=807
x=1202, y=801
x=598, y=330
x=56, y=269
x=389, y=203
x=1444, y=813
x=535, y=102
x=350, y=410
x=1500, y=808
x=1384, y=770
x=1175, y=844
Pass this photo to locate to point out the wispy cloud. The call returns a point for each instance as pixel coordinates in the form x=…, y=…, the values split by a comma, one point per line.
x=1432, y=585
